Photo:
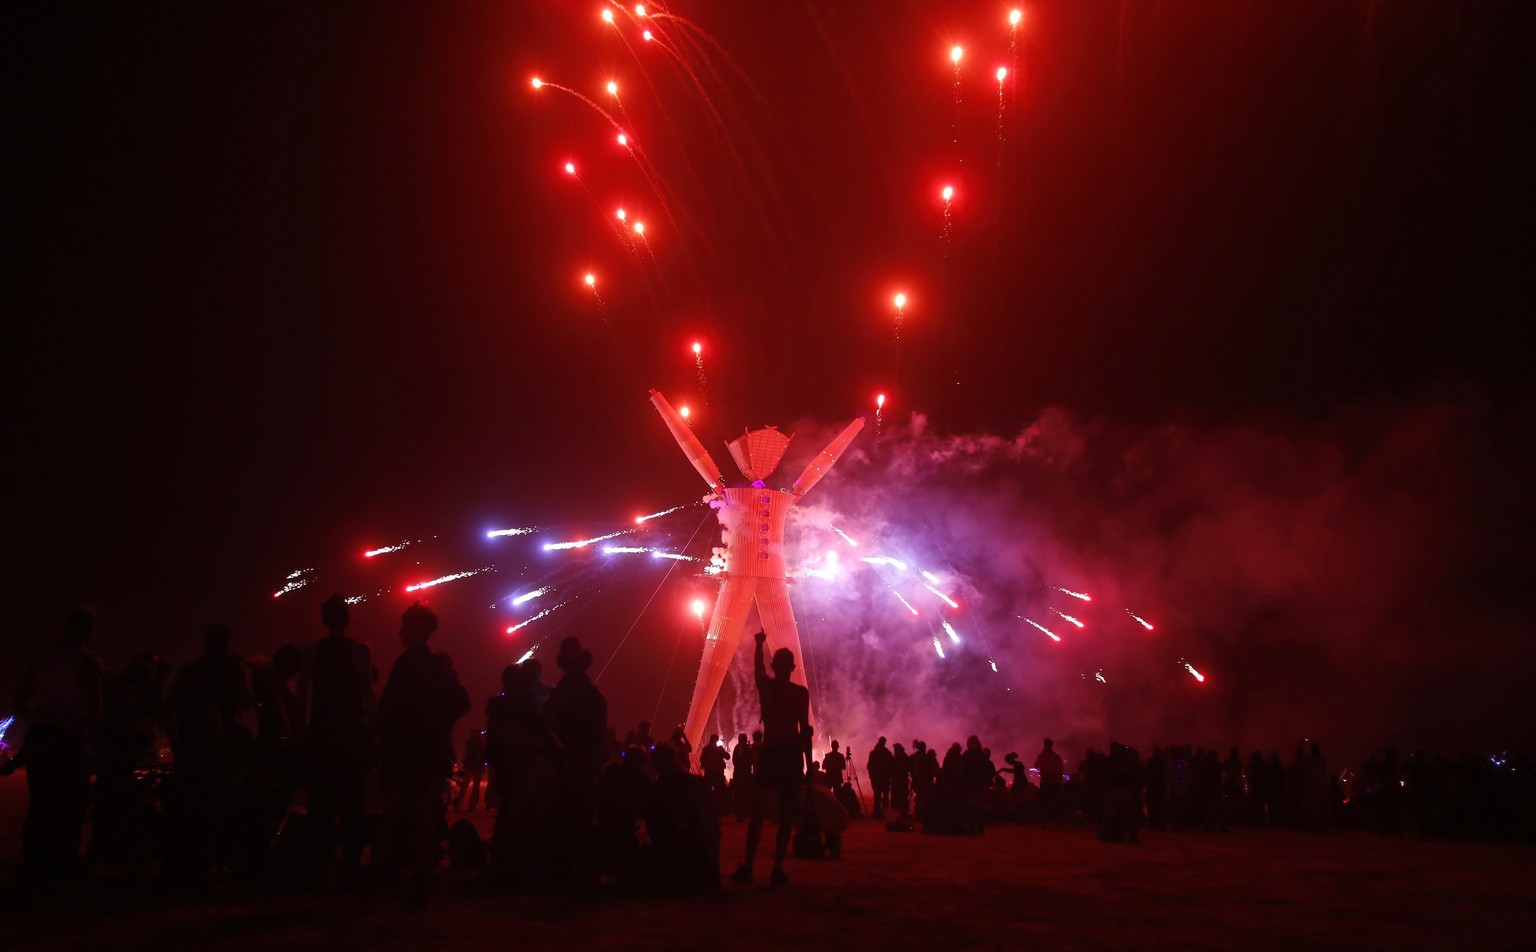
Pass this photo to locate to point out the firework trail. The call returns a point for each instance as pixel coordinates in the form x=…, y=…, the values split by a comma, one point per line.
x=1002, y=87
x=937, y=647
x=1139, y=620
x=879, y=418
x=949, y=629
x=552, y=546
x=295, y=581
x=946, y=599
x=530, y=596
x=948, y=194
x=384, y=550
x=1068, y=617
x=521, y=530
x=1067, y=591
x=657, y=515
x=674, y=556
x=698, y=363
x=900, y=599
x=956, y=53
x=1052, y=634
x=1191, y=669
x=900, y=300
x=846, y=537
x=897, y=564
x=355, y=599
x=527, y=654
x=447, y=578
x=533, y=618
x=624, y=549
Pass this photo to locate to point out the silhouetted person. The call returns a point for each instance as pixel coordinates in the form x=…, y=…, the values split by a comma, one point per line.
x=1121, y=819
x=682, y=826
x=1156, y=783
x=338, y=712
x=60, y=696
x=277, y=704
x=878, y=767
x=421, y=702
x=1052, y=770
x=743, y=762
x=712, y=761
x=124, y=824
x=209, y=740
x=786, y=750
x=901, y=780
x=474, y=771
x=924, y=772
x=577, y=713
x=834, y=765
x=521, y=751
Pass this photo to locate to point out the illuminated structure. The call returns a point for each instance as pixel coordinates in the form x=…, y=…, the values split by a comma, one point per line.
x=752, y=536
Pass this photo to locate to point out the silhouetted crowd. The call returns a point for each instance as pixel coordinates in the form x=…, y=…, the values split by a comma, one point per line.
x=286, y=772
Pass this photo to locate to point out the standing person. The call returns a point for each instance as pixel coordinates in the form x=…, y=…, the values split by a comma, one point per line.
x=785, y=752
x=474, y=771
x=422, y=700
x=1048, y=762
x=833, y=766
x=60, y=696
x=577, y=714
x=712, y=760
x=338, y=713
x=901, y=780
x=743, y=760
x=878, y=768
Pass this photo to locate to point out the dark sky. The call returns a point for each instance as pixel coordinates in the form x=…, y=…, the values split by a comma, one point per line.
x=289, y=281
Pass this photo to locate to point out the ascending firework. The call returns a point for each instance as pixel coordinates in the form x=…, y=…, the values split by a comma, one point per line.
x=698, y=363
x=447, y=578
x=948, y=194
x=900, y=599
x=950, y=631
x=879, y=409
x=1139, y=620
x=897, y=564
x=1191, y=669
x=1002, y=87
x=295, y=581
x=1052, y=634
x=528, y=621
x=846, y=537
x=498, y=533
x=530, y=596
x=1068, y=617
x=382, y=550
x=657, y=515
x=955, y=55
x=582, y=544
x=1067, y=591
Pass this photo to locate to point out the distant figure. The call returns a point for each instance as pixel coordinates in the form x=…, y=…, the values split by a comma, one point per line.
x=577, y=713
x=833, y=765
x=1048, y=762
x=712, y=760
x=878, y=768
x=277, y=706
x=208, y=738
x=743, y=788
x=786, y=749
x=474, y=771
x=60, y=696
x=521, y=752
x=1121, y=818
x=338, y=714
x=901, y=780
x=421, y=702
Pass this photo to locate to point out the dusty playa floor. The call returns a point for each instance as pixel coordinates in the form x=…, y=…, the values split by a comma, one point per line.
x=1011, y=888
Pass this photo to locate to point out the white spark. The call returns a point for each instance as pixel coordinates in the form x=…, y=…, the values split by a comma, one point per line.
x=522, y=530
x=657, y=515
x=950, y=629
x=530, y=596
x=531, y=619
x=548, y=546
x=445, y=578
x=1068, y=591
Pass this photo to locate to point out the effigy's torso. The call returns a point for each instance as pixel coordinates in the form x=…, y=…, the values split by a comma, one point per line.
x=752, y=530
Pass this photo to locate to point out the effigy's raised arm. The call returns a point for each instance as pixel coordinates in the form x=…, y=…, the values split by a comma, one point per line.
x=697, y=454
x=827, y=457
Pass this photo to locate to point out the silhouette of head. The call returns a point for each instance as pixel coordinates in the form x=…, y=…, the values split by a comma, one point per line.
x=417, y=624
x=573, y=658
x=287, y=661
x=335, y=614
x=783, y=662
x=511, y=675
x=880, y=742
x=664, y=758
x=78, y=625
x=834, y=745
x=1049, y=743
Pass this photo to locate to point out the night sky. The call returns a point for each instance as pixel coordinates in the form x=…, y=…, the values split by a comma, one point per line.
x=1221, y=327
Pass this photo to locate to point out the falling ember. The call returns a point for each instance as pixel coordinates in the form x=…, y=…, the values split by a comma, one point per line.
x=657, y=515
x=530, y=596
x=384, y=550
x=1054, y=636
x=938, y=647
x=530, y=620
x=846, y=537
x=904, y=602
x=498, y=533
x=1067, y=617
x=445, y=578
x=1068, y=591
x=950, y=630
x=1139, y=620
x=993, y=665
x=946, y=599
x=1191, y=669
x=552, y=546
x=1099, y=677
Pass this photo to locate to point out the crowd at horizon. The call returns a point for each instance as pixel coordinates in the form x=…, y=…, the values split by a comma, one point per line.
x=287, y=772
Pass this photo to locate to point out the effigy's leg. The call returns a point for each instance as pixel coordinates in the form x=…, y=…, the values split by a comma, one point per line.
x=720, y=642
x=778, y=618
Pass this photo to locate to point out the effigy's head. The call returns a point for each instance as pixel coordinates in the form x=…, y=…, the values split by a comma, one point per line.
x=757, y=452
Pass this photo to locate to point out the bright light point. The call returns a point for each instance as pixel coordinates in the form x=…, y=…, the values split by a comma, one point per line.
x=949, y=192
x=685, y=412
x=607, y=16
x=1067, y=617
x=846, y=537
x=698, y=608
x=1052, y=634
x=530, y=596
x=1139, y=620
x=901, y=300
x=646, y=36
x=1068, y=591
x=698, y=348
x=622, y=214
x=879, y=400
x=1002, y=73
x=538, y=83
x=639, y=227
x=1014, y=17
x=613, y=88
x=591, y=280
x=993, y=664
x=1191, y=669
x=955, y=55
x=624, y=140
x=496, y=533
x=928, y=575
x=950, y=630
x=570, y=168
x=639, y=9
